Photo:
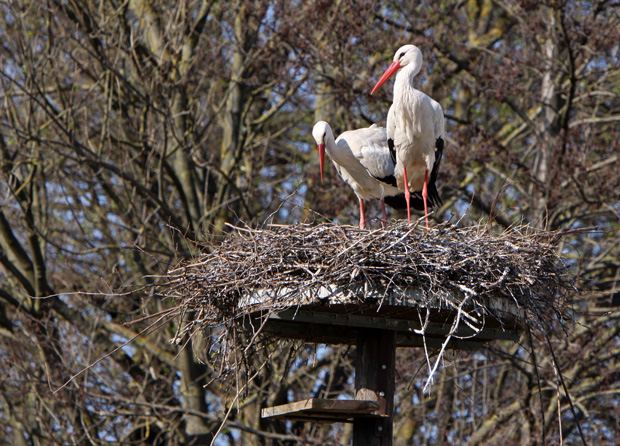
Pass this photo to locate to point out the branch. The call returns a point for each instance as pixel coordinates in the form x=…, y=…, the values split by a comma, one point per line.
x=16, y=258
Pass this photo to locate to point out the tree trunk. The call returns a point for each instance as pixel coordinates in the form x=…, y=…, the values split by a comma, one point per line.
x=192, y=389
x=231, y=152
x=548, y=128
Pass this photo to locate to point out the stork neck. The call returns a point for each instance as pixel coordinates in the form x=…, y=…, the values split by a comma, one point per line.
x=330, y=143
x=404, y=91
x=404, y=78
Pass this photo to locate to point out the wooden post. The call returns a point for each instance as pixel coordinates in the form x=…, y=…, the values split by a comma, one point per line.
x=374, y=381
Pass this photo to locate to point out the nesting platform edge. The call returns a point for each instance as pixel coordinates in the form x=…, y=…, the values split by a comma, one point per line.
x=335, y=315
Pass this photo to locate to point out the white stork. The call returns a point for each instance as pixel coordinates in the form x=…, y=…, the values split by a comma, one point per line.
x=363, y=160
x=415, y=129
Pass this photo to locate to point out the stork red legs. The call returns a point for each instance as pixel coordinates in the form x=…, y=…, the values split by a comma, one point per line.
x=424, y=196
x=415, y=130
x=362, y=158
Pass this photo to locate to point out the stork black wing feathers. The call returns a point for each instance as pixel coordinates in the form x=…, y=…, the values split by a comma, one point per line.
x=390, y=180
x=392, y=150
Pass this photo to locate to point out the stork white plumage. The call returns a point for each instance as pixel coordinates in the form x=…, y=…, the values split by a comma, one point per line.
x=415, y=129
x=363, y=160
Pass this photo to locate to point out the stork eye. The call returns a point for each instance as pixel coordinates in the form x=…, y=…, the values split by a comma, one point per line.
x=401, y=55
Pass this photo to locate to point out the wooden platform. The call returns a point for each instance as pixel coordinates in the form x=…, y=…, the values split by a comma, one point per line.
x=333, y=315
x=328, y=327
x=323, y=410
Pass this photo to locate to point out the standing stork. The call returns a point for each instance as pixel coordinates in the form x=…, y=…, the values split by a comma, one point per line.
x=415, y=130
x=362, y=158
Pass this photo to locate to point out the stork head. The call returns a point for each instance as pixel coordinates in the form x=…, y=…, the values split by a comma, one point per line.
x=321, y=132
x=408, y=55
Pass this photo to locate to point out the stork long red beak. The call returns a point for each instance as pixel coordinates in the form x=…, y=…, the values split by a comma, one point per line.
x=393, y=68
x=321, y=157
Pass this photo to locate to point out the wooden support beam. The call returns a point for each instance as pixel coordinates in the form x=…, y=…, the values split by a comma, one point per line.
x=323, y=410
x=389, y=323
x=374, y=381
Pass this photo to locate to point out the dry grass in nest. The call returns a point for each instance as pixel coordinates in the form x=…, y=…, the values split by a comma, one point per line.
x=519, y=265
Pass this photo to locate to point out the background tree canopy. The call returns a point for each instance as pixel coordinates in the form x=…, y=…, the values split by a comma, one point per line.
x=131, y=129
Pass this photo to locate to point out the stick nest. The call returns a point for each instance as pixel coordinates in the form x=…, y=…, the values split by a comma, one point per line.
x=519, y=265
